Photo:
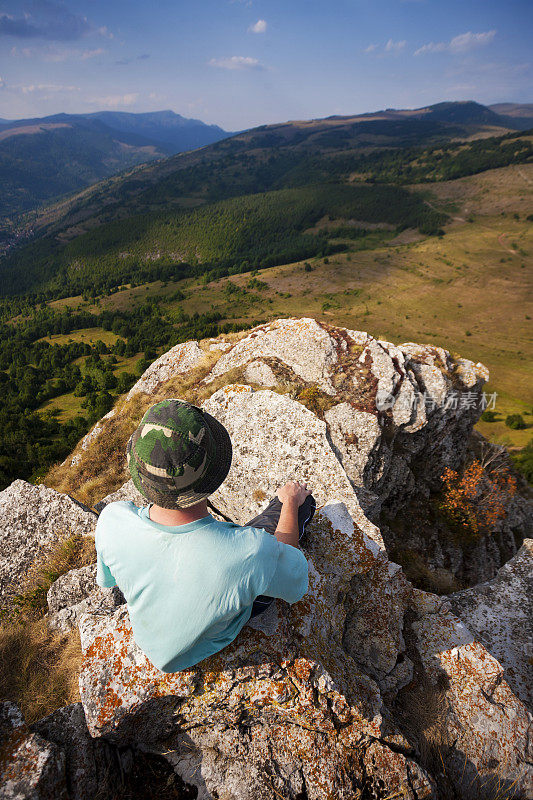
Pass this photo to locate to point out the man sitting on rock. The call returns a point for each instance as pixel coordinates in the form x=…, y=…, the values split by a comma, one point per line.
x=190, y=581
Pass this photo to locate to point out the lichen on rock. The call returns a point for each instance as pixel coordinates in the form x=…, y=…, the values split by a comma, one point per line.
x=292, y=697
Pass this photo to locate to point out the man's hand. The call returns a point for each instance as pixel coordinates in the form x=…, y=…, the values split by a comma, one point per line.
x=293, y=492
x=291, y=496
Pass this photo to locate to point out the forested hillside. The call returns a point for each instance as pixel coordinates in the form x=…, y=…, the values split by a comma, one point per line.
x=258, y=230
x=278, y=156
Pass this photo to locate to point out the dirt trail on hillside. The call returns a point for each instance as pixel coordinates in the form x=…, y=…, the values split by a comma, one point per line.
x=525, y=177
x=501, y=237
x=505, y=246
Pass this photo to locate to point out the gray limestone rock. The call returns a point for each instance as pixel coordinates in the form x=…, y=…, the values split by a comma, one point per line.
x=259, y=372
x=180, y=359
x=356, y=436
x=33, y=520
x=31, y=768
x=71, y=588
x=500, y=613
x=276, y=439
x=76, y=593
x=126, y=492
x=302, y=344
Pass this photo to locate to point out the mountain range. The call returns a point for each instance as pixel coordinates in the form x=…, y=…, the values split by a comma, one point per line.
x=48, y=157
x=44, y=159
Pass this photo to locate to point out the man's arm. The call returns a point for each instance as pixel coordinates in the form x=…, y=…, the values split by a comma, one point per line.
x=291, y=496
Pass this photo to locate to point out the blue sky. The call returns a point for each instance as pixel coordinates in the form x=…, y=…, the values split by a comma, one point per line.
x=241, y=63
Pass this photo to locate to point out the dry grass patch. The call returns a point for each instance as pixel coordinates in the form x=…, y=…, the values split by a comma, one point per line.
x=38, y=669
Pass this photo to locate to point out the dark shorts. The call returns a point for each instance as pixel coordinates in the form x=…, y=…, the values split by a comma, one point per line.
x=268, y=519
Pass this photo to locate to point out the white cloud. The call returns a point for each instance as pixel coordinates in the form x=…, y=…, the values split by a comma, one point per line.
x=65, y=55
x=259, y=27
x=459, y=44
x=47, y=87
x=56, y=56
x=104, y=31
x=431, y=47
x=236, y=62
x=392, y=46
x=466, y=41
x=115, y=100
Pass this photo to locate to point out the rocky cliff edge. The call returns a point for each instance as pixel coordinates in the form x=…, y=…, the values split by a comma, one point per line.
x=368, y=687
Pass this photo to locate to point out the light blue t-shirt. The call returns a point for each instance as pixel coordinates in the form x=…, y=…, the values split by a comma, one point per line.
x=190, y=588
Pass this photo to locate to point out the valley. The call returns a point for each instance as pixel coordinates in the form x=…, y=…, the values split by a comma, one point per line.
x=410, y=229
x=467, y=291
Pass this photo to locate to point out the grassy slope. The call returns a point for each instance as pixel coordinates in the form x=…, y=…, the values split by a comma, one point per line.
x=416, y=289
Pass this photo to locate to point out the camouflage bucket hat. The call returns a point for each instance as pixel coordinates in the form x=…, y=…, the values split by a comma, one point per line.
x=178, y=455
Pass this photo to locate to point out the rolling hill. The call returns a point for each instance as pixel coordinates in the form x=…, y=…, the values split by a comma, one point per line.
x=86, y=243
x=271, y=157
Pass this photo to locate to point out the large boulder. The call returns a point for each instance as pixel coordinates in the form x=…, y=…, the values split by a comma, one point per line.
x=500, y=613
x=302, y=345
x=396, y=417
x=33, y=521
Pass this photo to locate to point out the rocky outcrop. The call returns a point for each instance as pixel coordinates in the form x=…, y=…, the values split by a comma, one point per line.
x=304, y=701
x=500, y=613
x=286, y=709
x=178, y=360
x=368, y=687
x=76, y=593
x=396, y=417
x=34, y=520
x=31, y=768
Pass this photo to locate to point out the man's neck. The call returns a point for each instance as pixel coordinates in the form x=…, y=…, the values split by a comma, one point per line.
x=178, y=516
